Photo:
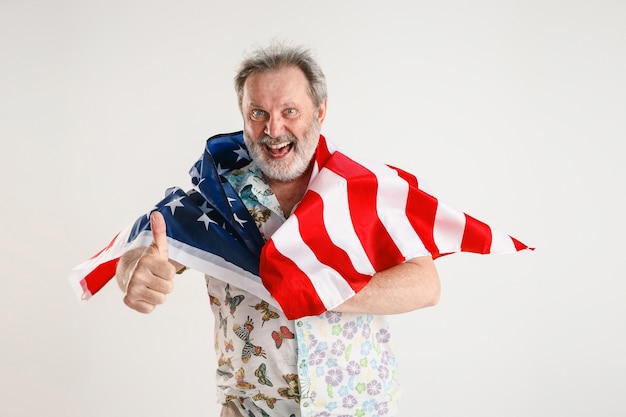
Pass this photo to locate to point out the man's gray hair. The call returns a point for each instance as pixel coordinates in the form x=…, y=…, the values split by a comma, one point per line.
x=277, y=56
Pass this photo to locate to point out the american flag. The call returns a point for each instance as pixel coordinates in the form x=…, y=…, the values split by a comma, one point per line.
x=355, y=219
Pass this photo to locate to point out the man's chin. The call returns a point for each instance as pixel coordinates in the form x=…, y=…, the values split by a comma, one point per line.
x=283, y=173
x=281, y=176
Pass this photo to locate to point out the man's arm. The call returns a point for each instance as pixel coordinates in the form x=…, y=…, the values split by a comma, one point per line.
x=146, y=274
x=406, y=287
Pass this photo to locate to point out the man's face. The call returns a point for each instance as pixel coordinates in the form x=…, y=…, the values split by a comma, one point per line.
x=281, y=124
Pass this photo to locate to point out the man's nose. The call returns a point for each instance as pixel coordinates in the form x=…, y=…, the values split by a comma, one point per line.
x=274, y=127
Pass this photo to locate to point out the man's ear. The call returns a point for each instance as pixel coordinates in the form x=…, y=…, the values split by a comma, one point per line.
x=321, y=112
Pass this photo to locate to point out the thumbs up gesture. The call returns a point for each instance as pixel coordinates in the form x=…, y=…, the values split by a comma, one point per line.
x=147, y=272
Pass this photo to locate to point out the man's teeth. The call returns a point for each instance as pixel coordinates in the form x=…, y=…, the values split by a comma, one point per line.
x=278, y=145
x=279, y=149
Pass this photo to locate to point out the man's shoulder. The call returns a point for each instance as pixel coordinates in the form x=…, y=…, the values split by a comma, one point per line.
x=236, y=137
x=227, y=151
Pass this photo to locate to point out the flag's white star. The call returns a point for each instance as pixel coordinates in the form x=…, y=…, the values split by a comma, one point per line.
x=230, y=201
x=205, y=207
x=220, y=170
x=238, y=220
x=175, y=203
x=241, y=153
x=206, y=220
x=171, y=190
x=197, y=186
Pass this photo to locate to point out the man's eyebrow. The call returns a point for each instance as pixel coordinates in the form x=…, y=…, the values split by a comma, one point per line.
x=285, y=104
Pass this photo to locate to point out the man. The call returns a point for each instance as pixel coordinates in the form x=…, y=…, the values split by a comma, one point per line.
x=339, y=363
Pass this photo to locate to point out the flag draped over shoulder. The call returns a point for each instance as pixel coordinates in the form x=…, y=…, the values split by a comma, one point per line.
x=356, y=218
x=208, y=228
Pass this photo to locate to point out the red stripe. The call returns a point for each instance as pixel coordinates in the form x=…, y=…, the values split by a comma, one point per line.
x=519, y=245
x=96, y=279
x=476, y=236
x=288, y=284
x=362, y=187
x=314, y=233
x=421, y=209
x=322, y=153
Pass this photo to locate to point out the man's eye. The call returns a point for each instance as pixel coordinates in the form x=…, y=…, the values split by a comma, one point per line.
x=290, y=112
x=257, y=114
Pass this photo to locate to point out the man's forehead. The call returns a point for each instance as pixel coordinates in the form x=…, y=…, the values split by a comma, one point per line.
x=287, y=86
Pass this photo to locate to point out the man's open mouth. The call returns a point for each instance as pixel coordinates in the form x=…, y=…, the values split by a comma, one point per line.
x=278, y=150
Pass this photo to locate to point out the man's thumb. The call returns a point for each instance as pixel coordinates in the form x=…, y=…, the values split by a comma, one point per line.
x=159, y=236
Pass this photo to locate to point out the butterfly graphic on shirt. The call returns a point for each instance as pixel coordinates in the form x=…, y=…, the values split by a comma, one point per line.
x=228, y=345
x=259, y=215
x=225, y=361
x=241, y=383
x=223, y=322
x=230, y=397
x=233, y=302
x=260, y=373
x=285, y=333
x=249, y=349
x=214, y=300
x=267, y=313
x=224, y=374
x=292, y=391
x=268, y=400
x=243, y=331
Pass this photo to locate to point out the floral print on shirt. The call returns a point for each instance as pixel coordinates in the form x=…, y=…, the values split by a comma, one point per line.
x=346, y=365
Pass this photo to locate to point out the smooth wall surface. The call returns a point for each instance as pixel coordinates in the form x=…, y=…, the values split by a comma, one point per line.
x=513, y=111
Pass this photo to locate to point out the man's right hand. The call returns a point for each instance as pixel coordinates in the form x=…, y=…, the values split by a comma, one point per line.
x=148, y=273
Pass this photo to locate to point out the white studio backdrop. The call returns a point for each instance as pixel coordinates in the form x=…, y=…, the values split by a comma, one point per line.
x=512, y=111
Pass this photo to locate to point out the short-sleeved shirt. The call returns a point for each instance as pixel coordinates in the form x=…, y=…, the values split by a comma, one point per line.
x=334, y=364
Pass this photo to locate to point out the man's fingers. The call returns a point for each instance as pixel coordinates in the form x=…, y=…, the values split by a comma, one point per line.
x=140, y=306
x=144, y=297
x=159, y=236
x=147, y=295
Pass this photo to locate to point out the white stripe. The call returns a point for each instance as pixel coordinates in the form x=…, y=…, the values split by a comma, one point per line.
x=448, y=229
x=391, y=203
x=316, y=167
x=501, y=243
x=333, y=190
x=217, y=267
x=331, y=287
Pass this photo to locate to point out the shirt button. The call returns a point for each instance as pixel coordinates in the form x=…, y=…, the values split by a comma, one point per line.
x=305, y=404
x=300, y=324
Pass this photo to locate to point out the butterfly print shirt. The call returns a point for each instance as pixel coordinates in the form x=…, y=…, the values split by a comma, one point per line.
x=335, y=364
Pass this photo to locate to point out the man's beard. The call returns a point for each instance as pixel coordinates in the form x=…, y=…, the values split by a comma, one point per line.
x=301, y=153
